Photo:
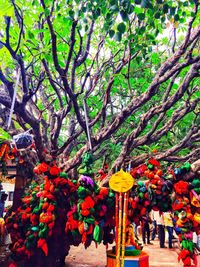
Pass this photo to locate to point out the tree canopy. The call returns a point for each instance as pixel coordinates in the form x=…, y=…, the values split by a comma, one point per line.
x=133, y=65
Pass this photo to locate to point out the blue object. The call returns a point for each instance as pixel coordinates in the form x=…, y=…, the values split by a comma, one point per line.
x=129, y=248
x=130, y=261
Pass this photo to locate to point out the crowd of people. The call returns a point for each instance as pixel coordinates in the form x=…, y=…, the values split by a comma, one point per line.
x=155, y=223
x=162, y=221
x=158, y=223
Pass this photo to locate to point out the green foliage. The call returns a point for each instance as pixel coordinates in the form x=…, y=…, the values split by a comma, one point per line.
x=136, y=29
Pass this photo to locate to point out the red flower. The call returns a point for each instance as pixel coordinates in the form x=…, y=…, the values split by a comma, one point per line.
x=104, y=191
x=85, y=212
x=41, y=168
x=55, y=170
x=181, y=187
x=154, y=162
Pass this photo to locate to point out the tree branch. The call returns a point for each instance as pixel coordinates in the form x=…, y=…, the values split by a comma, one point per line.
x=84, y=57
x=72, y=40
x=54, y=42
x=49, y=76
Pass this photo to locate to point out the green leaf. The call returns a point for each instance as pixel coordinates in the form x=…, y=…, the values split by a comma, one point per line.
x=157, y=15
x=111, y=33
x=131, y=36
x=176, y=17
x=4, y=136
x=138, y=59
x=124, y=15
x=6, y=9
x=121, y=27
x=138, y=2
x=131, y=9
x=46, y=12
x=30, y=35
x=145, y=3
x=71, y=14
x=118, y=36
x=142, y=30
x=155, y=58
x=175, y=86
x=165, y=8
x=185, y=3
x=141, y=16
x=114, y=8
x=96, y=13
x=172, y=11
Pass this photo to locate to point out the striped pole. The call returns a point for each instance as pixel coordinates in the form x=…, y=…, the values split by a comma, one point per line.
x=124, y=226
x=116, y=221
x=119, y=230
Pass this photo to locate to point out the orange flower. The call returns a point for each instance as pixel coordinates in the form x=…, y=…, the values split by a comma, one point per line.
x=85, y=212
x=41, y=168
x=159, y=172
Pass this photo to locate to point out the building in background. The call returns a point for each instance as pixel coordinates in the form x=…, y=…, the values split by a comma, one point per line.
x=8, y=183
x=8, y=188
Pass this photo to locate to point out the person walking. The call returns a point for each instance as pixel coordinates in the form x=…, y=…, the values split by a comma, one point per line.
x=158, y=217
x=145, y=228
x=168, y=221
x=154, y=230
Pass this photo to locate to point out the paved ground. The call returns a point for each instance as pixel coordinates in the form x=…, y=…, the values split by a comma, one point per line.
x=92, y=257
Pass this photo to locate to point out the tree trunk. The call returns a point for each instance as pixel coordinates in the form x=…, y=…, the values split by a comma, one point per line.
x=24, y=174
x=19, y=188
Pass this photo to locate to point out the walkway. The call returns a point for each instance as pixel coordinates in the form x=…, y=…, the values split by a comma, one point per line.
x=92, y=257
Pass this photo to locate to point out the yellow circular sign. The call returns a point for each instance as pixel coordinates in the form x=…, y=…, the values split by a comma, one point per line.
x=121, y=181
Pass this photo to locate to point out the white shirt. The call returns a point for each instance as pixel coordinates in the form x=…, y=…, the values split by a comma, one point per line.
x=158, y=217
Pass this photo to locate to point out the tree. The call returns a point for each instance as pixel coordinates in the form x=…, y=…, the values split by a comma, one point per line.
x=139, y=89
x=111, y=59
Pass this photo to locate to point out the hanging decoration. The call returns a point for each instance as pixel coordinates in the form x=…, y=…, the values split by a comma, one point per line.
x=187, y=213
x=23, y=141
x=88, y=218
x=87, y=163
x=14, y=149
x=102, y=173
x=84, y=206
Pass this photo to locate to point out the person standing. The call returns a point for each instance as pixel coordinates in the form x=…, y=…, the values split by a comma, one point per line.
x=158, y=217
x=154, y=230
x=168, y=221
x=145, y=228
x=2, y=204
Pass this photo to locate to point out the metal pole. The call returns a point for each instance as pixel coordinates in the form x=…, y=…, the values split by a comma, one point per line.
x=13, y=101
x=87, y=124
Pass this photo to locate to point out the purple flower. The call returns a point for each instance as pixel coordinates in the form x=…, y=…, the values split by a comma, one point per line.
x=86, y=180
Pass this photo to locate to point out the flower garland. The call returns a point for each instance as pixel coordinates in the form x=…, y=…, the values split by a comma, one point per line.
x=187, y=214
x=83, y=205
